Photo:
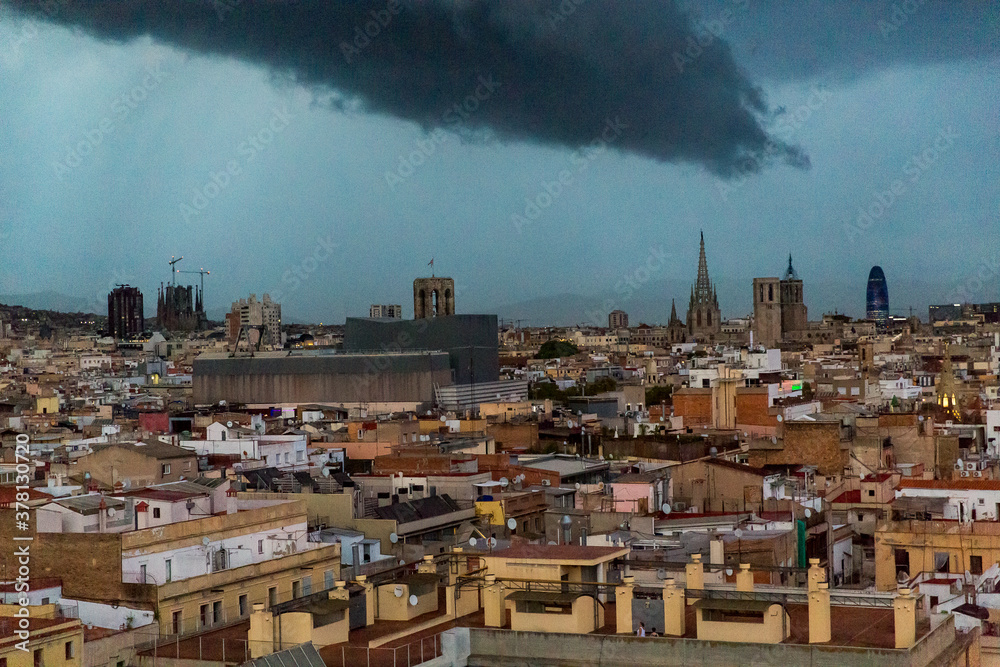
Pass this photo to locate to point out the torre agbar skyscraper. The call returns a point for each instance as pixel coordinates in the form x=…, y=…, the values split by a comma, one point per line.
x=878, y=298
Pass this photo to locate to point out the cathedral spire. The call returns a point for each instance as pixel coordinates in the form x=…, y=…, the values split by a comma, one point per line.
x=673, y=311
x=703, y=287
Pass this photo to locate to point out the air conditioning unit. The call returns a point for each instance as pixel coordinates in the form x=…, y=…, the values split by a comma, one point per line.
x=958, y=466
x=977, y=473
x=965, y=473
x=679, y=506
x=970, y=466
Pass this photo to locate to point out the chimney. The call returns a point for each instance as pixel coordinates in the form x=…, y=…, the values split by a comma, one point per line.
x=623, y=605
x=261, y=635
x=905, y=608
x=819, y=614
x=816, y=574
x=694, y=573
x=674, y=609
x=744, y=579
x=717, y=551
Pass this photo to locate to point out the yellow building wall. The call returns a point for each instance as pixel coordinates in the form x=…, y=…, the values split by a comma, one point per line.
x=773, y=630
x=47, y=405
x=51, y=641
x=296, y=628
x=960, y=542
x=493, y=509
x=332, y=633
x=282, y=574
x=580, y=622
x=392, y=608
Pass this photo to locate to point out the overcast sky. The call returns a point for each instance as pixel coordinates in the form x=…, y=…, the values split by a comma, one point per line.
x=279, y=146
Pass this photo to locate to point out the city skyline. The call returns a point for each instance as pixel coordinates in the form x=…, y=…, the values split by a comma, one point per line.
x=189, y=147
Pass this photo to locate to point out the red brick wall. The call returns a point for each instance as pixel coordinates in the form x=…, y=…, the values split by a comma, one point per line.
x=751, y=409
x=694, y=405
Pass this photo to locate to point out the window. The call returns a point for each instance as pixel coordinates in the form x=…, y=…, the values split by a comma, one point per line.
x=260, y=546
x=156, y=512
x=941, y=561
x=272, y=596
x=203, y=614
x=243, y=605
x=296, y=589
x=168, y=565
x=298, y=456
x=976, y=564
x=307, y=585
x=217, y=612
x=176, y=622
x=70, y=650
x=328, y=579
x=38, y=657
x=871, y=493
x=286, y=457
x=165, y=469
x=142, y=574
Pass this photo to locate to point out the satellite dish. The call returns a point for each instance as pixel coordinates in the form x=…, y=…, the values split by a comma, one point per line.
x=504, y=482
x=780, y=418
x=127, y=483
x=902, y=577
x=738, y=533
x=492, y=542
x=920, y=418
x=205, y=541
x=551, y=543
x=512, y=523
x=413, y=600
x=578, y=486
x=398, y=591
x=326, y=472
x=86, y=475
x=809, y=512
x=111, y=512
x=393, y=537
x=958, y=463
x=401, y=562
x=665, y=508
x=661, y=574
x=229, y=424
x=729, y=571
x=473, y=542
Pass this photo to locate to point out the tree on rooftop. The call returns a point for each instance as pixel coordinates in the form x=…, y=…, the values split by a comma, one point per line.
x=555, y=349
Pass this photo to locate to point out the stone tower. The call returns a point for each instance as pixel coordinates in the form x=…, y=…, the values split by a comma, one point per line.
x=704, y=316
x=793, y=307
x=433, y=297
x=766, y=311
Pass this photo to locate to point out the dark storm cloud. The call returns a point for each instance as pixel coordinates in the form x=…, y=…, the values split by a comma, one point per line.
x=548, y=71
x=844, y=39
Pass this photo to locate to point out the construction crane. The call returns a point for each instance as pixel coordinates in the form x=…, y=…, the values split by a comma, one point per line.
x=202, y=272
x=173, y=260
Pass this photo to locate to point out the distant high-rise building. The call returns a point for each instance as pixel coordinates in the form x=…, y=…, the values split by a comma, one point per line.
x=261, y=320
x=878, y=299
x=180, y=308
x=617, y=319
x=704, y=318
x=386, y=312
x=125, y=314
x=433, y=297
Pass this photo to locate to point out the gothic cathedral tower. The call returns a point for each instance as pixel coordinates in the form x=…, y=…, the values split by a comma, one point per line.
x=704, y=319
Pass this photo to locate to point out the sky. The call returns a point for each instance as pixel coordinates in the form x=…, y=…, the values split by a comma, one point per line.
x=558, y=159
